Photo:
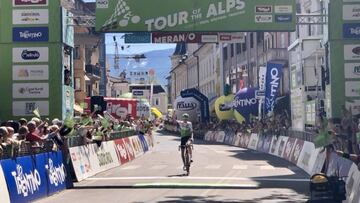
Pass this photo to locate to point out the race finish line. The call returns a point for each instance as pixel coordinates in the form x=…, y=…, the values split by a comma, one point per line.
x=200, y=178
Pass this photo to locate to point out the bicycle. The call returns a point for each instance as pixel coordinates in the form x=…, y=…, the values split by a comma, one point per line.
x=187, y=155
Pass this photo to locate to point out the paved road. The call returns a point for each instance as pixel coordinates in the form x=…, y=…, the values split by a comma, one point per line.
x=219, y=173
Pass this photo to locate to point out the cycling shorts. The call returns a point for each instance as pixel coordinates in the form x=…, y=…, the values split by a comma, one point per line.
x=184, y=140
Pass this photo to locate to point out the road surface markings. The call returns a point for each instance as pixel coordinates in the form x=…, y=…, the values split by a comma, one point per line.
x=158, y=167
x=215, y=166
x=196, y=185
x=131, y=167
x=267, y=167
x=201, y=178
x=240, y=167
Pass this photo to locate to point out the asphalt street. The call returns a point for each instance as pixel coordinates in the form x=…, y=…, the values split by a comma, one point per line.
x=220, y=173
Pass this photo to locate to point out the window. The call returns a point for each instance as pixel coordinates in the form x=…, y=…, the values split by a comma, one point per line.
x=77, y=84
x=244, y=46
x=232, y=50
x=77, y=52
x=157, y=101
x=238, y=48
x=251, y=40
x=225, y=53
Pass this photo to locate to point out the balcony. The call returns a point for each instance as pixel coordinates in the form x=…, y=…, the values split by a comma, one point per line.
x=93, y=72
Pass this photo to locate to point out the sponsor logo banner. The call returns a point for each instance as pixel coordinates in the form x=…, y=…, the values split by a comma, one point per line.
x=353, y=184
x=289, y=148
x=244, y=140
x=295, y=155
x=30, y=54
x=55, y=171
x=283, y=9
x=351, y=30
x=26, y=108
x=202, y=16
x=351, y=12
x=30, y=72
x=25, y=181
x=263, y=9
x=80, y=159
x=264, y=143
x=141, y=37
x=143, y=143
x=273, y=77
x=263, y=18
x=352, y=70
x=136, y=145
x=30, y=34
x=352, y=89
x=283, y=18
x=281, y=146
x=352, y=52
x=209, y=38
x=30, y=17
x=220, y=136
x=30, y=90
x=4, y=193
x=175, y=37
x=102, y=4
x=254, y=138
x=236, y=37
x=30, y=2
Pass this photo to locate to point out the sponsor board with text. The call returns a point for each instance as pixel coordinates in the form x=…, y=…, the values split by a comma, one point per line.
x=351, y=12
x=263, y=18
x=30, y=54
x=352, y=88
x=351, y=30
x=30, y=72
x=30, y=16
x=30, y=3
x=352, y=52
x=26, y=108
x=30, y=34
x=352, y=70
x=30, y=90
x=263, y=9
x=283, y=9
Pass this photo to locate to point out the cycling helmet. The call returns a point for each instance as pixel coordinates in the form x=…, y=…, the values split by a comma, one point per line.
x=185, y=116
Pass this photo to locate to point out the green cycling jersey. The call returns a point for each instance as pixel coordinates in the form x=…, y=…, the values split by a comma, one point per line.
x=185, y=128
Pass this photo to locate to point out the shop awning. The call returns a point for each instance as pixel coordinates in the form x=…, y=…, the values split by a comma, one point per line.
x=156, y=112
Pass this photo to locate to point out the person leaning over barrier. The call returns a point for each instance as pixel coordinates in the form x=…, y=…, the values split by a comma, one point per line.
x=3, y=133
x=352, y=157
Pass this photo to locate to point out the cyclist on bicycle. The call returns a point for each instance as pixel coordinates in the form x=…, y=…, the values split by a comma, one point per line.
x=186, y=133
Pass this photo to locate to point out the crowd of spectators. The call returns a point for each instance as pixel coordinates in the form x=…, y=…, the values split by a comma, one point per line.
x=24, y=137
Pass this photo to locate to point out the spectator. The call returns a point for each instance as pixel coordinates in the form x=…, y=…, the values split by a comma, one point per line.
x=23, y=131
x=23, y=122
x=33, y=136
x=3, y=133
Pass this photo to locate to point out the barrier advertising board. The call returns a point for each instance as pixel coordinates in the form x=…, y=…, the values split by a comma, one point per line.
x=4, y=193
x=81, y=162
x=124, y=150
x=143, y=143
x=253, y=141
x=56, y=172
x=24, y=179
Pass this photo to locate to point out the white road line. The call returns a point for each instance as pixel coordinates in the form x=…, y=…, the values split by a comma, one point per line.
x=267, y=167
x=217, y=166
x=200, y=178
x=240, y=167
x=131, y=167
x=158, y=167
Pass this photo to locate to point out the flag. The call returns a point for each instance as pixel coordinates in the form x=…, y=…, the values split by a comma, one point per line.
x=322, y=140
x=104, y=122
x=69, y=121
x=86, y=121
x=37, y=113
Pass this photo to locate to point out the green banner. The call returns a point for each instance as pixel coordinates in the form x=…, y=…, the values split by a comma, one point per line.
x=195, y=15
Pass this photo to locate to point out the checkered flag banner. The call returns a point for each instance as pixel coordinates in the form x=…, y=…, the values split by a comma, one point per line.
x=121, y=17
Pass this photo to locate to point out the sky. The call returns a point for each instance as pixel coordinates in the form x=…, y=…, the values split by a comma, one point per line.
x=130, y=49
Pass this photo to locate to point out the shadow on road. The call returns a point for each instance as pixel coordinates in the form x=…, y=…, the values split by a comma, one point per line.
x=212, y=199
